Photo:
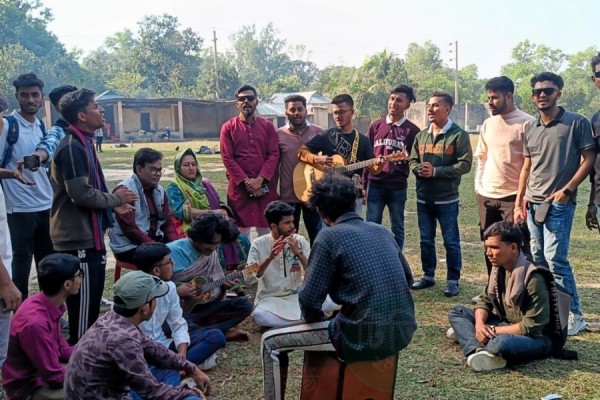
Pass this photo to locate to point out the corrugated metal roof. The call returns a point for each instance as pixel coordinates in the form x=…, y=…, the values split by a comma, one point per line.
x=271, y=109
x=313, y=97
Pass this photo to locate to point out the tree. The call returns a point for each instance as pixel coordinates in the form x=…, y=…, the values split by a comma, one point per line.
x=579, y=92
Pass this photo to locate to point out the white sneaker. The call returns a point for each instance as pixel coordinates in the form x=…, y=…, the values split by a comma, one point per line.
x=209, y=363
x=485, y=361
x=477, y=299
x=576, y=324
x=450, y=334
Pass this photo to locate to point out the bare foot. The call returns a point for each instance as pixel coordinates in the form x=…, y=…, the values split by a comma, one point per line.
x=237, y=335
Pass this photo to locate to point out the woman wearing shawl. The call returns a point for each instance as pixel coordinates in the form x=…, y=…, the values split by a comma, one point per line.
x=191, y=196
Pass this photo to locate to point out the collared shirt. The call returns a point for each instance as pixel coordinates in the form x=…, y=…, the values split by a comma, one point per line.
x=555, y=150
x=167, y=310
x=445, y=128
x=112, y=358
x=19, y=197
x=357, y=263
x=36, y=348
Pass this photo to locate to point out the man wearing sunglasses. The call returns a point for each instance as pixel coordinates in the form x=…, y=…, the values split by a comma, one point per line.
x=37, y=350
x=112, y=358
x=559, y=153
x=593, y=212
x=250, y=153
x=152, y=219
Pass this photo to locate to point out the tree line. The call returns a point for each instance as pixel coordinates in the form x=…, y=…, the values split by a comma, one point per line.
x=162, y=59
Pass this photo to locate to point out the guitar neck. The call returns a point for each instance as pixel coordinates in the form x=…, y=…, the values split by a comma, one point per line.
x=359, y=165
x=215, y=284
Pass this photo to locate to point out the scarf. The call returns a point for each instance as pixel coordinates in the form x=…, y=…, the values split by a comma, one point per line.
x=102, y=219
x=516, y=283
x=193, y=191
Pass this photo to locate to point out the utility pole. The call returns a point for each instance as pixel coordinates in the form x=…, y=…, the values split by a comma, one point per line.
x=217, y=88
x=455, y=50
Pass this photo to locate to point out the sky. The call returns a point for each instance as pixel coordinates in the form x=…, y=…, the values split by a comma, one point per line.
x=346, y=32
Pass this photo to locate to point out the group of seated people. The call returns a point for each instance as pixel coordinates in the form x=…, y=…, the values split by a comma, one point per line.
x=171, y=316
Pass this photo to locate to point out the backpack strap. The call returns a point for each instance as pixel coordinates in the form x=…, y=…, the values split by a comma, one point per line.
x=11, y=138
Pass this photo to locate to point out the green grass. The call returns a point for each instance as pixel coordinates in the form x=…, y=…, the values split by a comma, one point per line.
x=431, y=367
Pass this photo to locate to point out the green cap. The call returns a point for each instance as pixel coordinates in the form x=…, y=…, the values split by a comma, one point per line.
x=137, y=288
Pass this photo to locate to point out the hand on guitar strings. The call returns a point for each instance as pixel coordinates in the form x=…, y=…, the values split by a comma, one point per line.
x=323, y=160
x=187, y=289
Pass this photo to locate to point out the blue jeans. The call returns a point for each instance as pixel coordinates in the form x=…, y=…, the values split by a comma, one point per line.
x=447, y=215
x=513, y=348
x=203, y=344
x=166, y=376
x=550, y=246
x=394, y=199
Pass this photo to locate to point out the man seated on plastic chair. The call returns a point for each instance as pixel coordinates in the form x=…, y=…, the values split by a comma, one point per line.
x=359, y=265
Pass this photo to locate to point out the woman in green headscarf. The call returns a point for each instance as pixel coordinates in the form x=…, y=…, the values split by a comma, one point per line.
x=191, y=196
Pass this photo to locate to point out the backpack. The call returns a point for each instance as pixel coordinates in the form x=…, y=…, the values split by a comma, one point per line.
x=12, y=136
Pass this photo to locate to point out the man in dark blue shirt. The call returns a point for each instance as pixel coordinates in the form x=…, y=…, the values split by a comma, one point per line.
x=361, y=267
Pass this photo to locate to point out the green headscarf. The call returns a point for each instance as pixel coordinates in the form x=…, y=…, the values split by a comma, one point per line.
x=193, y=191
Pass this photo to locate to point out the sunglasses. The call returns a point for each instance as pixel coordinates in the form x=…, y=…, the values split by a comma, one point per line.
x=547, y=91
x=597, y=74
x=244, y=98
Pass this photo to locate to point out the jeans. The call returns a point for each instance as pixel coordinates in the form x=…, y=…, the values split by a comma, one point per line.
x=394, y=199
x=166, y=376
x=550, y=246
x=203, y=344
x=513, y=348
x=447, y=215
x=219, y=314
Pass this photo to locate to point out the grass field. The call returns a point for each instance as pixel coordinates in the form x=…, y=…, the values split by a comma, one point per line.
x=431, y=367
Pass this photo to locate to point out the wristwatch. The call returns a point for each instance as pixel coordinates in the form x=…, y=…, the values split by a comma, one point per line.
x=300, y=253
x=567, y=192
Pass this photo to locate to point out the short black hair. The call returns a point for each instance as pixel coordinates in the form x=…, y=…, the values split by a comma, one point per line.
x=125, y=312
x=244, y=88
x=407, y=90
x=293, y=98
x=205, y=227
x=57, y=93
x=595, y=61
x=501, y=84
x=147, y=255
x=445, y=96
x=54, y=270
x=28, y=80
x=548, y=76
x=71, y=104
x=506, y=231
x=333, y=196
x=276, y=210
x=144, y=156
x=343, y=98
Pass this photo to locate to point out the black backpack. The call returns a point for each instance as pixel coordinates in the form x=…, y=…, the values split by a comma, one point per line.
x=12, y=136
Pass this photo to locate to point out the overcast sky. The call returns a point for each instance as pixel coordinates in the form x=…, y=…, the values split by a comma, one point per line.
x=335, y=32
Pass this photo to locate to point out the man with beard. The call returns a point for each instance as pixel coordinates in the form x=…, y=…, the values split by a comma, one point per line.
x=27, y=206
x=296, y=133
x=250, y=153
x=559, y=153
x=81, y=207
x=499, y=157
x=389, y=135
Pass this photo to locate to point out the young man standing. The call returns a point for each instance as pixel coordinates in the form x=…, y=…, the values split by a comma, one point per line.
x=593, y=211
x=499, y=156
x=37, y=349
x=27, y=206
x=389, y=135
x=441, y=154
x=296, y=133
x=81, y=207
x=250, y=153
x=152, y=220
x=559, y=153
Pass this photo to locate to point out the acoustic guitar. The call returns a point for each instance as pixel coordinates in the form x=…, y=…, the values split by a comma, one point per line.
x=305, y=175
x=201, y=294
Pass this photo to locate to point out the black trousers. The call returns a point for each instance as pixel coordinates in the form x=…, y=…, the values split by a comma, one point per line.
x=219, y=314
x=30, y=237
x=311, y=218
x=84, y=307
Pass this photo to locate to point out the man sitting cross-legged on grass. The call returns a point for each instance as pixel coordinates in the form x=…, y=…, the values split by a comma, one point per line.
x=112, y=357
x=200, y=348
x=517, y=318
x=36, y=347
x=282, y=255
